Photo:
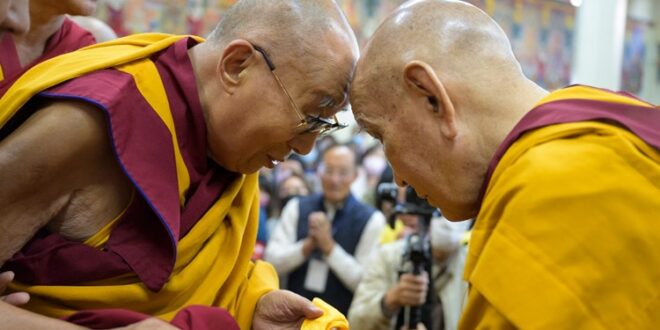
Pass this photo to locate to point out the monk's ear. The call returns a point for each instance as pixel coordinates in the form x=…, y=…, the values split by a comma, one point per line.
x=236, y=57
x=429, y=90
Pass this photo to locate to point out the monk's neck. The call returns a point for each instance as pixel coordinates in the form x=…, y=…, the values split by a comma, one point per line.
x=506, y=112
x=202, y=57
x=527, y=95
x=43, y=25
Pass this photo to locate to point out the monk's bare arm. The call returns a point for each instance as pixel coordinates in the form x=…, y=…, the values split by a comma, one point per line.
x=12, y=317
x=41, y=164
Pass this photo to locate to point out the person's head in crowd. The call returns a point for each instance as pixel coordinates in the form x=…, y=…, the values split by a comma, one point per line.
x=299, y=159
x=287, y=168
x=324, y=143
x=453, y=91
x=410, y=224
x=374, y=163
x=293, y=186
x=338, y=170
x=286, y=66
x=313, y=159
x=14, y=16
x=265, y=192
x=382, y=204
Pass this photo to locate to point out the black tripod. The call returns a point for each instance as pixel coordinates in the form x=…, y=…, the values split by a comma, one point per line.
x=417, y=251
x=418, y=254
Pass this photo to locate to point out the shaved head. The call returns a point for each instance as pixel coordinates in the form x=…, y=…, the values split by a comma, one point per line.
x=270, y=72
x=439, y=85
x=298, y=27
x=459, y=40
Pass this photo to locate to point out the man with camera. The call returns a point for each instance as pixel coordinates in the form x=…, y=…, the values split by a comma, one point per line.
x=324, y=240
x=390, y=292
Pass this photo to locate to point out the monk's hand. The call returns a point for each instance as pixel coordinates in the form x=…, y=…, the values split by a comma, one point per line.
x=321, y=230
x=16, y=298
x=281, y=310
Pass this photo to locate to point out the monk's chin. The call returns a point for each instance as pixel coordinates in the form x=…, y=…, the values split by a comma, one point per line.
x=455, y=215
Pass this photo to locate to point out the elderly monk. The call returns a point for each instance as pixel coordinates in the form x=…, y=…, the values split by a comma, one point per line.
x=127, y=169
x=51, y=33
x=565, y=185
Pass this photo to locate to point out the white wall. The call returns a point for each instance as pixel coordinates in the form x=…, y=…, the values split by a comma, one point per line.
x=599, y=33
x=650, y=9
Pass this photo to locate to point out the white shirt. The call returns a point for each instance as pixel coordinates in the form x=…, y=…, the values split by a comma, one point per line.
x=284, y=251
x=381, y=274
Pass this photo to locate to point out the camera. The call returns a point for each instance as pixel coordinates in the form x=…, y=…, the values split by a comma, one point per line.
x=417, y=251
x=412, y=203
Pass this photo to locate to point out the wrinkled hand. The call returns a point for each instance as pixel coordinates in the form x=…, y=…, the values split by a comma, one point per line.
x=149, y=324
x=321, y=231
x=409, y=291
x=16, y=298
x=282, y=310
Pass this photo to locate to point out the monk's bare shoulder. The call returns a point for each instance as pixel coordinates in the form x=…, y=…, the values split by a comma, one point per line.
x=42, y=163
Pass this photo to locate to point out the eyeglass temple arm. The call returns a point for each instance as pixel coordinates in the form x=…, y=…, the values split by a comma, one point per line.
x=270, y=63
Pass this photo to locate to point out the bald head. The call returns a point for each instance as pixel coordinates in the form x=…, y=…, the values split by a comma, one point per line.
x=458, y=40
x=297, y=27
x=269, y=73
x=340, y=152
x=440, y=87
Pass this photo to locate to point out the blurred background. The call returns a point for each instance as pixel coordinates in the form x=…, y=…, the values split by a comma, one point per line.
x=608, y=43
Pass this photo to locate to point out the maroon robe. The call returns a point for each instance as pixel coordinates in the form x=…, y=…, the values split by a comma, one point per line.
x=144, y=240
x=641, y=121
x=68, y=38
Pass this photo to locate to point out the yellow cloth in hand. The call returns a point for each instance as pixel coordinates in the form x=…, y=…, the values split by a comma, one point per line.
x=331, y=318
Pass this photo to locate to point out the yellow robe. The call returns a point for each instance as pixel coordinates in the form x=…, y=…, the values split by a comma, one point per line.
x=213, y=266
x=568, y=234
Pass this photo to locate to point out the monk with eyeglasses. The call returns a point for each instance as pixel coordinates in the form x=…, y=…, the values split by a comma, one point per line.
x=128, y=183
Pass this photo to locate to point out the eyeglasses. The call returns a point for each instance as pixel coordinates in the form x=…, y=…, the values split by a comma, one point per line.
x=309, y=124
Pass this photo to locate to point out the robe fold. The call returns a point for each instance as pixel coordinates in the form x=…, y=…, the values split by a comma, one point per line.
x=567, y=236
x=187, y=236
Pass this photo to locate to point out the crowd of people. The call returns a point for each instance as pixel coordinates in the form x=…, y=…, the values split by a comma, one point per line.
x=327, y=236
x=162, y=181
